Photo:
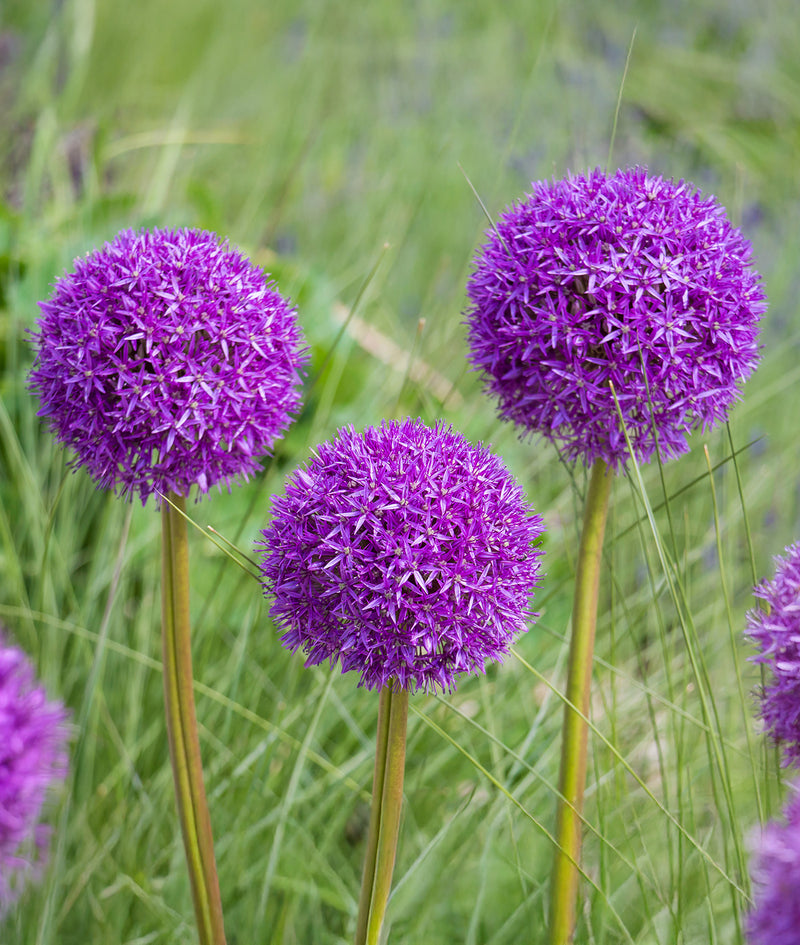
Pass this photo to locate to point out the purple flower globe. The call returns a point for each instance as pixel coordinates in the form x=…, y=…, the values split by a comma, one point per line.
x=631, y=282
x=776, y=633
x=403, y=552
x=775, y=918
x=166, y=360
x=33, y=758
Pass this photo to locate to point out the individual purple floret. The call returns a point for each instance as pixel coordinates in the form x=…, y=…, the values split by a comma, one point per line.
x=404, y=552
x=166, y=360
x=631, y=281
x=33, y=758
x=775, y=918
x=776, y=632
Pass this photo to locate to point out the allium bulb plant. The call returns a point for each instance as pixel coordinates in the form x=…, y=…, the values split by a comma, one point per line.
x=598, y=296
x=775, y=917
x=33, y=762
x=775, y=630
x=170, y=363
x=409, y=556
x=613, y=315
x=166, y=360
x=404, y=553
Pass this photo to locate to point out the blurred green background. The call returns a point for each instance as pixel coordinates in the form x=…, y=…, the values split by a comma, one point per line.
x=338, y=143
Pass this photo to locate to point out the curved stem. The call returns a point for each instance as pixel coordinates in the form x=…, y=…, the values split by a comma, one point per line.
x=184, y=744
x=572, y=774
x=384, y=822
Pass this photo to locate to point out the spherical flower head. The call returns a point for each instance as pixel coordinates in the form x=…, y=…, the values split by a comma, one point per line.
x=33, y=758
x=404, y=552
x=776, y=633
x=166, y=360
x=775, y=919
x=629, y=287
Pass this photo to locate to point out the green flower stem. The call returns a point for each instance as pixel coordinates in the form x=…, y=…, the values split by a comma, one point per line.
x=572, y=775
x=371, y=853
x=384, y=821
x=184, y=744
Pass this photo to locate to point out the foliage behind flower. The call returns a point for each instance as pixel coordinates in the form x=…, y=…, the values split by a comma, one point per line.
x=33, y=757
x=775, y=919
x=166, y=360
x=633, y=280
x=405, y=552
x=777, y=635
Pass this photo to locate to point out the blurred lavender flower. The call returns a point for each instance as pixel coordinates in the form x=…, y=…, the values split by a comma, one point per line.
x=33, y=758
x=777, y=635
x=167, y=360
x=627, y=280
x=775, y=918
x=405, y=552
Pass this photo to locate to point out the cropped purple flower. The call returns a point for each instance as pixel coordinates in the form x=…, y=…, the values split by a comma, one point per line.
x=775, y=918
x=777, y=635
x=33, y=758
x=404, y=552
x=631, y=281
x=166, y=360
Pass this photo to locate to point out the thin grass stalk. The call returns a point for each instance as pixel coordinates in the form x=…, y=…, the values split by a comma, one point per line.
x=735, y=650
x=770, y=752
x=522, y=809
x=184, y=744
x=714, y=746
x=572, y=773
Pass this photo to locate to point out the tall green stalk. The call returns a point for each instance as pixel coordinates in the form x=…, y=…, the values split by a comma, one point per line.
x=384, y=822
x=184, y=744
x=572, y=774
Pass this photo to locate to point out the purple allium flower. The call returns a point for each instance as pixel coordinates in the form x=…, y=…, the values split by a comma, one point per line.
x=775, y=919
x=167, y=360
x=404, y=552
x=776, y=632
x=632, y=280
x=33, y=757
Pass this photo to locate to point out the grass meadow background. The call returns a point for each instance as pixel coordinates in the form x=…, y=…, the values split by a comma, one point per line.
x=327, y=139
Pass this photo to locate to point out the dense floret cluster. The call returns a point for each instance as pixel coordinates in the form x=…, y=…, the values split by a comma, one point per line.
x=166, y=360
x=629, y=287
x=776, y=632
x=775, y=918
x=404, y=552
x=33, y=758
